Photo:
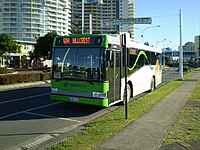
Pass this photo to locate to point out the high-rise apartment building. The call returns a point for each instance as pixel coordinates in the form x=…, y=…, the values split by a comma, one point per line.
x=126, y=10
x=110, y=10
x=26, y=20
x=99, y=12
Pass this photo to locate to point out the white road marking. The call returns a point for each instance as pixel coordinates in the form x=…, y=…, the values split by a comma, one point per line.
x=37, y=142
x=28, y=110
x=48, y=116
x=24, y=98
x=24, y=111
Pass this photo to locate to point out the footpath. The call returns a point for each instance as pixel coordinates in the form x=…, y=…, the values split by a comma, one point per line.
x=148, y=131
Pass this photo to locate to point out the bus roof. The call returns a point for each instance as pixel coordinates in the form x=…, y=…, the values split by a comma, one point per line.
x=131, y=43
x=137, y=45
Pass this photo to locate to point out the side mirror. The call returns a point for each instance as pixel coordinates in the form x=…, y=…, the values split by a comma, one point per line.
x=108, y=55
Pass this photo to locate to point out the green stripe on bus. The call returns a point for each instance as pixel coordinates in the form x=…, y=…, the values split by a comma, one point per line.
x=81, y=100
x=81, y=86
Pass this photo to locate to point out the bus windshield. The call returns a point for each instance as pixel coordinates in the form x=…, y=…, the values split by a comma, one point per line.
x=77, y=63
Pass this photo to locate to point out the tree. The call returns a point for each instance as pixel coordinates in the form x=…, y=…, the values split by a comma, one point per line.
x=96, y=32
x=44, y=45
x=75, y=28
x=7, y=44
x=114, y=32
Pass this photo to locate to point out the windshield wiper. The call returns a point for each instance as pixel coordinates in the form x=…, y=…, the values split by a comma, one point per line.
x=62, y=65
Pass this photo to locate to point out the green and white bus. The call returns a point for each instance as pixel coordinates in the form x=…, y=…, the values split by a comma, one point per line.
x=89, y=69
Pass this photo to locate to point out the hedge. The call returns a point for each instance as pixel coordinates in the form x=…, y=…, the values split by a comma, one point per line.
x=3, y=70
x=26, y=77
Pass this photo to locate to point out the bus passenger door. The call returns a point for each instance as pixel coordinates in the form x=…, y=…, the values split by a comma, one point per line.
x=114, y=77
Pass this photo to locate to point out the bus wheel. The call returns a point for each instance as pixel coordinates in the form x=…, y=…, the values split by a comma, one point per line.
x=128, y=94
x=153, y=84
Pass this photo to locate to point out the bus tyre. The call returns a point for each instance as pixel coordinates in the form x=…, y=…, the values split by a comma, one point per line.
x=128, y=94
x=153, y=84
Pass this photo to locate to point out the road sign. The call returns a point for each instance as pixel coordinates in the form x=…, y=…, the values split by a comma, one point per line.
x=146, y=20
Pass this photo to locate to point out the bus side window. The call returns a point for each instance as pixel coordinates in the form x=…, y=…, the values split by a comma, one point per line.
x=153, y=58
x=148, y=57
x=141, y=61
x=132, y=59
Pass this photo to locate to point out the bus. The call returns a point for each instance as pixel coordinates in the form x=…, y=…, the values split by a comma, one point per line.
x=90, y=68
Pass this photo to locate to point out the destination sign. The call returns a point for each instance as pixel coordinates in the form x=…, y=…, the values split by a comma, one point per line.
x=77, y=41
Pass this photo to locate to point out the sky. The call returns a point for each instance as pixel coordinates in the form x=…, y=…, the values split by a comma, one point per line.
x=165, y=13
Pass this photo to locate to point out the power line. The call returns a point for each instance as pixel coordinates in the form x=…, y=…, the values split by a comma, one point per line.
x=172, y=15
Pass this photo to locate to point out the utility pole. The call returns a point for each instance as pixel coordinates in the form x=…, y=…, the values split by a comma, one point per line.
x=181, y=50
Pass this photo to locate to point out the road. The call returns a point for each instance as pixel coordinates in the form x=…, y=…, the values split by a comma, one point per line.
x=28, y=117
x=169, y=74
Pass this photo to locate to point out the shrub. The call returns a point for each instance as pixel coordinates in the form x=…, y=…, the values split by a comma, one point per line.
x=10, y=70
x=20, y=78
x=186, y=68
x=3, y=70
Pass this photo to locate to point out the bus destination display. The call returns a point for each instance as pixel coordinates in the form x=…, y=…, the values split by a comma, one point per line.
x=78, y=41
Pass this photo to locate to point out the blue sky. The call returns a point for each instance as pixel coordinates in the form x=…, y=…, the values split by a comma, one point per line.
x=166, y=14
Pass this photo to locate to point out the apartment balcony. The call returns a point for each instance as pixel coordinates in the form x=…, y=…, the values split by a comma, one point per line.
x=36, y=8
x=52, y=23
x=26, y=20
x=61, y=3
x=26, y=16
x=52, y=19
x=26, y=11
x=26, y=1
x=52, y=27
x=52, y=16
x=26, y=25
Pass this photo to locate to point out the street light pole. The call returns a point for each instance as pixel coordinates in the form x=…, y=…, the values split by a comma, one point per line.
x=157, y=42
x=142, y=35
x=181, y=51
x=90, y=23
x=83, y=16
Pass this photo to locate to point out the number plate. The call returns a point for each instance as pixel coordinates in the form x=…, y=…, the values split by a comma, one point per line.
x=74, y=99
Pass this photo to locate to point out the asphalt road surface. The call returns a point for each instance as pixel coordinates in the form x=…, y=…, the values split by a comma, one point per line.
x=29, y=118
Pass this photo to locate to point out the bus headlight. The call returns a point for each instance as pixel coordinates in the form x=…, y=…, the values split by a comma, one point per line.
x=99, y=94
x=54, y=90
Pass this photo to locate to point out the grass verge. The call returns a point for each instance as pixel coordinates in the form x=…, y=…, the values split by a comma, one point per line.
x=101, y=128
x=187, y=124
